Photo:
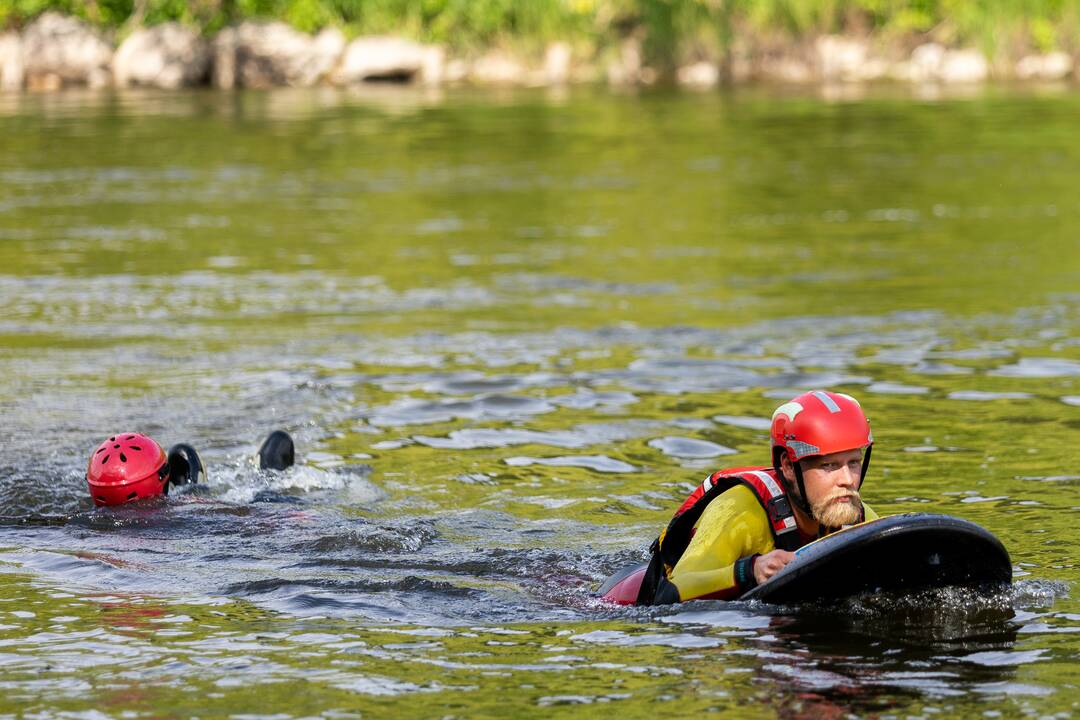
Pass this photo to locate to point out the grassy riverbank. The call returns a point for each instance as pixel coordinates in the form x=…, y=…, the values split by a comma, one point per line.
x=670, y=31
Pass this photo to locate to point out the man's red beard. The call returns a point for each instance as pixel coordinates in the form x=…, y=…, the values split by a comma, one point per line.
x=832, y=513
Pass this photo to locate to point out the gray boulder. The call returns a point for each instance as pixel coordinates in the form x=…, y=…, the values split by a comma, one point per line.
x=223, y=62
x=63, y=50
x=557, y=63
x=389, y=58
x=258, y=54
x=841, y=58
x=924, y=63
x=702, y=74
x=932, y=62
x=11, y=62
x=964, y=66
x=322, y=57
x=1051, y=66
x=164, y=56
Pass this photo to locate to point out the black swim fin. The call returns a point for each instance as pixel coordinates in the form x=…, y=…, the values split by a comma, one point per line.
x=277, y=451
x=185, y=465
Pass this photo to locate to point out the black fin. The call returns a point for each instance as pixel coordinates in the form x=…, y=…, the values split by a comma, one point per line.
x=277, y=451
x=185, y=465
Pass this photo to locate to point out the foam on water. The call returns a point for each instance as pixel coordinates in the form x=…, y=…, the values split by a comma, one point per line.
x=1036, y=367
x=410, y=411
x=599, y=463
x=578, y=436
x=750, y=423
x=985, y=395
x=684, y=447
x=896, y=389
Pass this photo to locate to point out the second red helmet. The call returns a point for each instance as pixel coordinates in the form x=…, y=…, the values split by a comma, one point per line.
x=127, y=467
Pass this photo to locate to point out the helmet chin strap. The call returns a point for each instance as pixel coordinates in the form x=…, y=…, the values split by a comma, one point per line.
x=798, y=499
x=801, y=500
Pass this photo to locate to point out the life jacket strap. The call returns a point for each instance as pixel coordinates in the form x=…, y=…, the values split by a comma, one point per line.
x=777, y=506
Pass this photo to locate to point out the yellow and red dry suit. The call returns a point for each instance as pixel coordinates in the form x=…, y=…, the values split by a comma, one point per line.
x=708, y=548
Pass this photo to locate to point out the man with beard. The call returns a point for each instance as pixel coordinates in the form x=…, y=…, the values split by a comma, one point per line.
x=742, y=525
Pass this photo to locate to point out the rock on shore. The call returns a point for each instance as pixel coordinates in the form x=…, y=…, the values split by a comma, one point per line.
x=848, y=59
x=1052, y=66
x=165, y=56
x=368, y=59
x=932, y=62
x=58, y=50
x=268, y=54
x=11, y=65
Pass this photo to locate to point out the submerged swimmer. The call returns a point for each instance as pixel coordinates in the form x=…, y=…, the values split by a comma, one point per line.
x=742, y=525
x=132, y=466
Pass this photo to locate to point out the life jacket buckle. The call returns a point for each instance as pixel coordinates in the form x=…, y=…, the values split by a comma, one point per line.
x=779, y=509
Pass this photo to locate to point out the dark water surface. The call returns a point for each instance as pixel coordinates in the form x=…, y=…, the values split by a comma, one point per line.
x=510, y=331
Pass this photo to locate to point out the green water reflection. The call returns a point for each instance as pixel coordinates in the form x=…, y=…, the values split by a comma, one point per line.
x=916, y=253
x=124, y=653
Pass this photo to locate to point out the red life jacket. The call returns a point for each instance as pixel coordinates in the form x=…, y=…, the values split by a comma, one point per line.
x=673, y=541
x=768, y=490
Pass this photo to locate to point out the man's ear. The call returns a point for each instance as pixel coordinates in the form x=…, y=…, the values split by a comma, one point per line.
x=785, y=467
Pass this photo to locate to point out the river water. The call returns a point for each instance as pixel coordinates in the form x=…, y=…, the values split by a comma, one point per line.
x=510, y=331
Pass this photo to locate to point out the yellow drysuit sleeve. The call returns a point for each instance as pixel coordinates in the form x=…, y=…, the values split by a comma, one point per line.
x=733, y=526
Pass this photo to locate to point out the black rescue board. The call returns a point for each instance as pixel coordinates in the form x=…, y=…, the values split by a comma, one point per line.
x=897, y=553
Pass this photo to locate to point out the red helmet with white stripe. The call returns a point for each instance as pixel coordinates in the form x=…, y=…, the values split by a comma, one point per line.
x=819, y=423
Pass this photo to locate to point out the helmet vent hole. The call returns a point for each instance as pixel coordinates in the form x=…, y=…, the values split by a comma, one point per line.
x=130, y=437
x=134, y=447
x=105, y=459
x=112, y=439
x=116, y=446
x=123, y=457
x=132, y=496
x=100, y=450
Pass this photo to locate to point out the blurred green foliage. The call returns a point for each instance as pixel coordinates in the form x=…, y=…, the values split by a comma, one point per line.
x=672, y=30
